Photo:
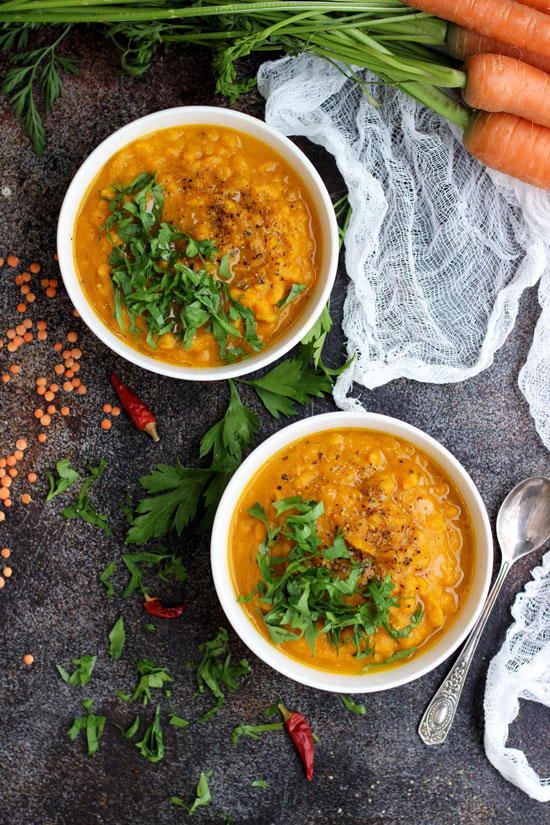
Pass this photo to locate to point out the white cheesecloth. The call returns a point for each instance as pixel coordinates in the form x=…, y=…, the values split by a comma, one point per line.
x=438, y=252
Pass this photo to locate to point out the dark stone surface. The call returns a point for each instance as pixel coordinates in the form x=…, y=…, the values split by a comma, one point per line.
x=370, y=770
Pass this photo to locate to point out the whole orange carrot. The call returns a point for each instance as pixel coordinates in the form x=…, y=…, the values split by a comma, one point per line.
x=504, y=20
x=540, y=5
x=463, y=43
x=511, y=145
x=503, y=84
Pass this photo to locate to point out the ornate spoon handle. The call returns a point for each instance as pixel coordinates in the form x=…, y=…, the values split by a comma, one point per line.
x=440, y=713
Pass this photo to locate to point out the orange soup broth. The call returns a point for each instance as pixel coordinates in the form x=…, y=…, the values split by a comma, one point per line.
x=395, y=506
x=220, y=185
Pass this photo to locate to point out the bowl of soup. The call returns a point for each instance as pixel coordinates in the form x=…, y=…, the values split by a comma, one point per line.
x=198, y=243
x=352, y=552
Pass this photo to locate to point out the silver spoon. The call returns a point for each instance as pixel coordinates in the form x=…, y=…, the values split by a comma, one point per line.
x=523, y=525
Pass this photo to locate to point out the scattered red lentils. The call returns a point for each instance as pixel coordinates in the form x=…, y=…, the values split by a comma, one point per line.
x=51, y=292
x=21, y=307
x=51, y=409
x=2, y=582
x=5, y=378
x=28, y=337
x=28, y=659
x=7, y=571
x=106, y=424
x=41, y=390
x=76, y=313
x=59, y=369
x=18, y=455
x=34, y=268
x=13, y=261
x=49, y=396
x=66, y=354
x=58, y=347
x=25, y=289
x=2, y=462
x=21, y=444
x=15, y=369
x=5, y=553
x=42, y=437
x=45, y=420
x=76, y=382
x=65, y=411
x=115, y=411
x=76, y=353
x=4, y=493
x=42, y=335
x=54, y=387
x=32, y=477
x=41, y=382
x=25, y=498
x=67, y=386
x=26, y=276
x=107, y=408
x=38, y=413
x=13, y=472
x=69, y=374
x=11, y=461
x=31, y=298
x=7, y=502
x=82, y=390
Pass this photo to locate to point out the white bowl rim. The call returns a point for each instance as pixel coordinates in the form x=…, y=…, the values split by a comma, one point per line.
x=261, y=647
x=167, y=118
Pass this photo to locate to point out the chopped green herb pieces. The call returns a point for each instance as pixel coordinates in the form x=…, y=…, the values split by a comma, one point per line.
x=305, y=598
x=150, y=627
x=83, y=507
x=404, y=653
x=216, y=669
x=151, y=677
x=177, y=721
x=254, y=730
x=259, y=783
x=152, y=744
x=93, y=725
x=117, y=637
x=202, y=794
x=105, y=578
x=130, y=732
x=228, y=818
x=66, y=476
x=359, y=710
x=124, y=696
x=83, y=673
x=168, y=567
x=296, y=290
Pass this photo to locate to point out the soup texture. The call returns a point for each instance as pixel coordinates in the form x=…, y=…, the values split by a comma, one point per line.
x=356, y=525
x=189, y=303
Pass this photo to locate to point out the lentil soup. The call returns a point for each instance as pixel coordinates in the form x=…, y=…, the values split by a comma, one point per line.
x=212, y=184
x=399, y=515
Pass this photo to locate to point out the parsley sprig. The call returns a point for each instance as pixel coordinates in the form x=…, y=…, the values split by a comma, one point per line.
x=215, y=670
x=169, y=279
x=299, y=595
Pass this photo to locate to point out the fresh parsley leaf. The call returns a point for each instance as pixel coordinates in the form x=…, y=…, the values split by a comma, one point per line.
x=117, y=637
x=296, y=290
x=288, y=383
x=228, y=818
x=131, y=731
x=83, y=507
x=151, y=677
x=215, y=670
x=67, y=475
x=202, y=793
x=105, y=577
x=93, y=725
x=152, y=744
x=259, y=783
x=83, y=673
x=359, y=710
x=150, y=627
x=177, y=721
x=254, y=730
x=403, y=653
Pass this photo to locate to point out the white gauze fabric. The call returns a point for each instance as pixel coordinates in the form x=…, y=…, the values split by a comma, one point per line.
x=438, y=250
x=520, y=670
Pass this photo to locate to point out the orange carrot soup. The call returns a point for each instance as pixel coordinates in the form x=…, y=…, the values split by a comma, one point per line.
x=197, y=245
x=351, y=549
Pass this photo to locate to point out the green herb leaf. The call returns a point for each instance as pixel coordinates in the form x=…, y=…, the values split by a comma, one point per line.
x=117, y=637
x=177, y=721
x=202, y=793
x=259, y=783
x=67, y=475
x=254, y=730
x=296, y=290
x=130, y=732
x=152, y=744
x=105, y=577
x=290, y=381
x=404, y=653
x=83, y=507
x=151, y=677
x=359, y=710
x=93, y=725
x=82, y=675
x=215, y=670
x=150, y=627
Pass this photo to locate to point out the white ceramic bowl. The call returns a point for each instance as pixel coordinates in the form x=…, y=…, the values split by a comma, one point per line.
x=182, y=116
x=384, y=679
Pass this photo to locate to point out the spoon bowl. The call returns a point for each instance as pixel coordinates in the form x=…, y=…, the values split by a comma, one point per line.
x=523, y=521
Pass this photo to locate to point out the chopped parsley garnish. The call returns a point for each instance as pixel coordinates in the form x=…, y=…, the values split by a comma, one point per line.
x=169, y=279
x=83, y=673
x=131, y=731
x=83, y=507
x=152, y=677
x=288, y=383
x=215, y=670
x=202, y=795
x=254, y=730
x=299, y=596
x=168, y=567
x=152, y=744
x=117, y=637
x=105, y=578
x=67, y=475
x=359, y=710
x=296, y=290
x=259, y=783
x=92, y=724
x=177, y=721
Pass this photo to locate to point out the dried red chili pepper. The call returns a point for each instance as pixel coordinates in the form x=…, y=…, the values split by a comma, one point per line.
x=156, y=608
x=139, y=412
x=301, y=735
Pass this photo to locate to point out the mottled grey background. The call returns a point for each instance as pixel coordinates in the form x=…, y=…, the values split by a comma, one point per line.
x=369, y=770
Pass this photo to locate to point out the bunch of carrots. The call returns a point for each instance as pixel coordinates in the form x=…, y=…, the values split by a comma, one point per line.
x=505, y=46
